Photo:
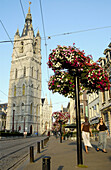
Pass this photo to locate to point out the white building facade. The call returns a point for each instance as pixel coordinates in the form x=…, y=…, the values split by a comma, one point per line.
x=25, y=81
x=45, y=116
x=105, y=97
x=83, y=108
x=93, y=108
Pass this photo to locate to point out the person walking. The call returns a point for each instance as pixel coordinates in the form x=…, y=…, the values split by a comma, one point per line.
x=103, y=132
x=86, y=130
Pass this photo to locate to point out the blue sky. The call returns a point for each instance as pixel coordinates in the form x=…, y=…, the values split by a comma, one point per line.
x=60, y=16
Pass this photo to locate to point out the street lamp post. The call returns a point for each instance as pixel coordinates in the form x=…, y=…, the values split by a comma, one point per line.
x=78, y=122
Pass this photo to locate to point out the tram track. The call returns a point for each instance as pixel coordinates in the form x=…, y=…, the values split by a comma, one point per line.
x=11, y=156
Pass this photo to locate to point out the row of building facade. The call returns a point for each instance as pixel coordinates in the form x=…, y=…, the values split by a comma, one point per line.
x=95, y=105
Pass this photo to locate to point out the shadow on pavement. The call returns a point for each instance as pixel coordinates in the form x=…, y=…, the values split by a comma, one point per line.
x=94, y=146
x=43, y=150
x=60, y=168
x=110, y=158
x=39, y=158
x=72, y=143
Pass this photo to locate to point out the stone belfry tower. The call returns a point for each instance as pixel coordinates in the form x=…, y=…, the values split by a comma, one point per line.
x=25, y=81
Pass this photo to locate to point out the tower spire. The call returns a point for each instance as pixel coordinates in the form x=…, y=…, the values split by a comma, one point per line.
x=28, y=23
x=29, y=7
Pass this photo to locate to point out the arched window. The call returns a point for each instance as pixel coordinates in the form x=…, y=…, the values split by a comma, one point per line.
x=14, y=91
x=24, y=71
x=23, y=89
x=31, y=108
x=16, y=73
x=22, y=104
x=13, y=104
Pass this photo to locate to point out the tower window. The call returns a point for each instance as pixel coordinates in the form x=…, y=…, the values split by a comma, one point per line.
x=31, y=108
x=16, y=73
x=13, y=104
x=24, y=71
x=22, y=104
x=21, y=47
x=23, y=89
x=14, y=91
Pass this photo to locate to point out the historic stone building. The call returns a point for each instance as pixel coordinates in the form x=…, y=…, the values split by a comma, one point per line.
x=25, y=81
x=93, y=108
x=105, y=97
x=45, y=116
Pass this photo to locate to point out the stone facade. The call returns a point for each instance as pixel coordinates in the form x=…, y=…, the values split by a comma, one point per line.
x=105, y=97
x=25, y=81
x=45, y=116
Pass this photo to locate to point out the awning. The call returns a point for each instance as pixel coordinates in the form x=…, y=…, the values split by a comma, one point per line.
x=71, y=126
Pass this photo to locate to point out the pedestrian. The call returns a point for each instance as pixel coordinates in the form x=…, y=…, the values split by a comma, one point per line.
x=86, y=130
x=103, y=132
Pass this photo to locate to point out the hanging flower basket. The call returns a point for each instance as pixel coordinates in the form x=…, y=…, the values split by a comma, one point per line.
x=74, y=62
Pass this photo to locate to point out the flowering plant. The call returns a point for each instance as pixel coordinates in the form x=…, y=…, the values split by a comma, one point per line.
x=59, y=116
x=55, y=126
x=74, y=62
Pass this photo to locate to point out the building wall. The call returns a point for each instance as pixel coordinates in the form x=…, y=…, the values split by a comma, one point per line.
x=45, y=116
x=93, y=108
x=105, y=97
x=83, y=108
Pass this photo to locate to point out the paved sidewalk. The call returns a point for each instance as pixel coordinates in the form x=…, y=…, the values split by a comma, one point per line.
x=64, y=156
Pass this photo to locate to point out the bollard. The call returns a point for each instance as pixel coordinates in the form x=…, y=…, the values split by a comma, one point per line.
x=45, y=141
x=46, y=163
x=42, y=144
x=31, y=153
x=38, y=147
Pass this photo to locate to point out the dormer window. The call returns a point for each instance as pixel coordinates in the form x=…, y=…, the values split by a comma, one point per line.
x=104, y=61
x=107, y=58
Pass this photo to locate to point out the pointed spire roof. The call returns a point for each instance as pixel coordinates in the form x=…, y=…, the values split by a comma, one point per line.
x=38, y=34
x=17, y=32
x=28, y=23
